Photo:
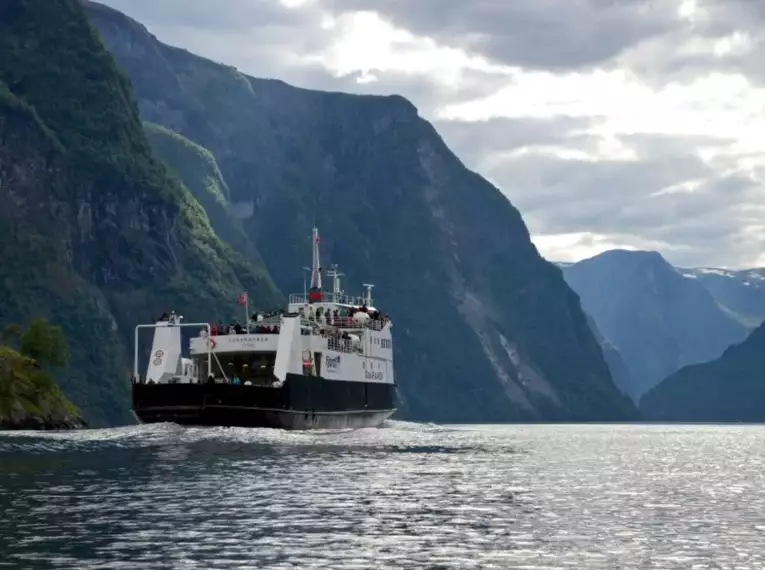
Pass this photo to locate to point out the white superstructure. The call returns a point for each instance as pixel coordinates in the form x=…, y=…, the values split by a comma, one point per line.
x=325, y=334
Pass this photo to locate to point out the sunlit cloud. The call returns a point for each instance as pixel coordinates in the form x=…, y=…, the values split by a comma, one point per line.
x=642, y=125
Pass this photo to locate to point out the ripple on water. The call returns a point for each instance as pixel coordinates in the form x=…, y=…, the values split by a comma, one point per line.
x=405, y=496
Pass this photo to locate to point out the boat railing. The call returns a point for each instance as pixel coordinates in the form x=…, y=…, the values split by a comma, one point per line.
x=341, y=345
x=349, y=323
x=327, y=297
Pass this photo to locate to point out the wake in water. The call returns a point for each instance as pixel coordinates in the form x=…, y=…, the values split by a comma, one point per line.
x=393, y=436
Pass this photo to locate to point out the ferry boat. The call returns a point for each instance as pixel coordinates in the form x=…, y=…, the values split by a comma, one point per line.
x=324, y=362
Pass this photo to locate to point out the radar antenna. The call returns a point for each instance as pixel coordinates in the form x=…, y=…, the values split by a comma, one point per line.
x=368, y=287
x=335, y=282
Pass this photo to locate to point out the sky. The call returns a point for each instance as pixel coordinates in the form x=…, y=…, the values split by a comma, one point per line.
x=607, y=123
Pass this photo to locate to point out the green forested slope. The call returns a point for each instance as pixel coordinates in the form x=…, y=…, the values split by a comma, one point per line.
x=95, y=234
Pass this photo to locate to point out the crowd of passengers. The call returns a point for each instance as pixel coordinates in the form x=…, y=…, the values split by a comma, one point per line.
x=338, y=317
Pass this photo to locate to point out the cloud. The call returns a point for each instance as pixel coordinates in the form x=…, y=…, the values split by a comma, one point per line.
x=608, y=123
x=544, y=34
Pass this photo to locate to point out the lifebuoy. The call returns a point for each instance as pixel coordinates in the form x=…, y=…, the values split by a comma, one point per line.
x=212, y=342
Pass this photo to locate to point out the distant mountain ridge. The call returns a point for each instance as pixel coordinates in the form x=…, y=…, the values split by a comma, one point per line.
x=486, y=330
x=742, y=292
x=655, y=315
x=728, y=389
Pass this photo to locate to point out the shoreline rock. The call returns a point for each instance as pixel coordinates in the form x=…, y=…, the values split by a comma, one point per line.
x=32, y=423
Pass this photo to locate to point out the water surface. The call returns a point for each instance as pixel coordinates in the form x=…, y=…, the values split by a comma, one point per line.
x=403, y=496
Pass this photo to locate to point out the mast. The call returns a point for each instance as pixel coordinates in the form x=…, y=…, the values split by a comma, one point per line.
x=306, y=271
x=315, y=291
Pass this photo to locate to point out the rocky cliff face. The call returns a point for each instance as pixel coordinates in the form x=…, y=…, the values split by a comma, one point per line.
x=485, y=328
x=95, y=234
x=620, y=372
x=658, y=319
x=199, y=171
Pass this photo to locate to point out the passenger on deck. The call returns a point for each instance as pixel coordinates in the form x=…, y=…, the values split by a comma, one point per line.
x=235, y=379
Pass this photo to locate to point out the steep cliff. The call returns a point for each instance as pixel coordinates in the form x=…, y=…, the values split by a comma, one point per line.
x=485, y=328
x=95, y=234
x=729, y=389
x=199, y=171
x=658, y=319
x=620, y=372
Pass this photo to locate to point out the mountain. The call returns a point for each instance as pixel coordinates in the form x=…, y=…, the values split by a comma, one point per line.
x=740, y=292
x=659, y=320
x=96, y=235
x=486, y=330
x=729, y=389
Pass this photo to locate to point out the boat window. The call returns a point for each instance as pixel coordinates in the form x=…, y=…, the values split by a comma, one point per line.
x=258, y=367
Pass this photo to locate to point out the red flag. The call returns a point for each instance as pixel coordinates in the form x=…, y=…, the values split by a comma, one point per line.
x=242, y=299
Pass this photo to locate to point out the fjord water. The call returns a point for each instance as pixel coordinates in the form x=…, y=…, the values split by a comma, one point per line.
x=403, y=496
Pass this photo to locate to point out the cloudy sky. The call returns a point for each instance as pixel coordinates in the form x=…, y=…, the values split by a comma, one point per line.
x=608, y=123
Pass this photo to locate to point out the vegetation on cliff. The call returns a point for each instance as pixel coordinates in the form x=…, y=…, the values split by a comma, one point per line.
x=95, y=233
x=29, y=396
x=199, y=171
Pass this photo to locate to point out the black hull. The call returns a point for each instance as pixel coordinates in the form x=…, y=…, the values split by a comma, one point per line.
x=303, y=402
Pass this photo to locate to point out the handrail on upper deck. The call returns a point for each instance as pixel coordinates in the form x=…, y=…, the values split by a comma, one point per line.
x=349, y=323
x=340, y=299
